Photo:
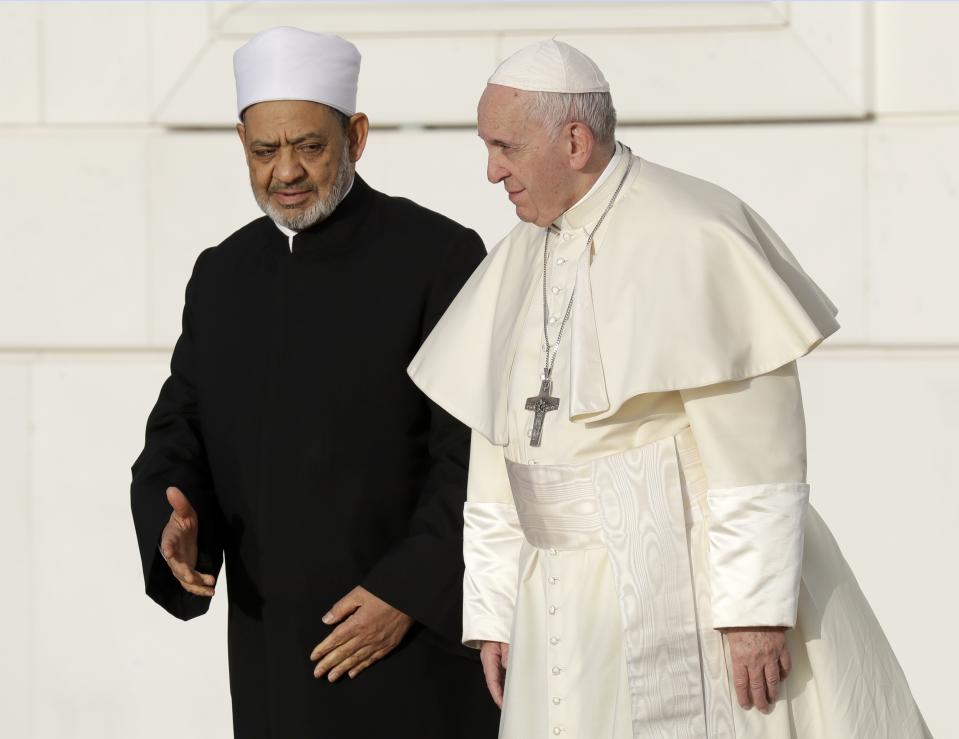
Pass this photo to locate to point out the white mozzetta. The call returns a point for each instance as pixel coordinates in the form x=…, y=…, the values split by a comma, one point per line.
x=806, y=180
x=739, y=304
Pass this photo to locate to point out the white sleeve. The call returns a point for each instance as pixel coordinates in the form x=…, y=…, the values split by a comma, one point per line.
x=491, y=543
x=751, y=436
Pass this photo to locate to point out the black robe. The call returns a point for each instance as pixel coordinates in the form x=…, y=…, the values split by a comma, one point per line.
x=315, y=465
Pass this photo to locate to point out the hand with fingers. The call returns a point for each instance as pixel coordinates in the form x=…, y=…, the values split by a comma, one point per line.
x=760, y=663
x=494, y=656
x=178, y=545
x=368, y=630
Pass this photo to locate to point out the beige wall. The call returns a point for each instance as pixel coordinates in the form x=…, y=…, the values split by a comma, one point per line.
x=839, y=122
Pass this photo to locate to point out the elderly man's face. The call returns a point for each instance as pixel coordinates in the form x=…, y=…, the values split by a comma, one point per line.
x=300, y=158
x=532, y=166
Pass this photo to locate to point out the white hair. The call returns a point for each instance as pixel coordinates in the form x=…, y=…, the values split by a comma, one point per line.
x=595, y=109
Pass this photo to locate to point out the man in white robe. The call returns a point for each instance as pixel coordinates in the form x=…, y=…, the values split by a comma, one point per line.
x=641, y=558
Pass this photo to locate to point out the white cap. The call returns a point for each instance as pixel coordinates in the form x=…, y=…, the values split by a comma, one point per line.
x=287, y=63
x=550, y=66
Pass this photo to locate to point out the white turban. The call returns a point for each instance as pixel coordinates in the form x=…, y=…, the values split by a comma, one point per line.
x=287, y=63
x=550, y=66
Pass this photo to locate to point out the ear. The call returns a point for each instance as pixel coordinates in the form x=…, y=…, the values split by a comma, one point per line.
x=356, y=133
x=241, y=132
x=581, y=143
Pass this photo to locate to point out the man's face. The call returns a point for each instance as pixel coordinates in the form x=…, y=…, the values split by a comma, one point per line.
x=533, y=167
x=300, y=159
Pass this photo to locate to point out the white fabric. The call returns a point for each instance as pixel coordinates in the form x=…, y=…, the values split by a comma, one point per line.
x=747, y=432
x=285, y=63
x=696, y=290
x=751, y=432
x=608, y=170
x=632, y=506
x=288, y=232
x=492, y=538
x=602, y=646
x=740, y=441
x=550, y=66
x=755, y=552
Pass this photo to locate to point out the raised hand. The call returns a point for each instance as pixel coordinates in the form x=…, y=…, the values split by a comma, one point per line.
x=369, y=629
x=494, y=656
x=178, y=545
x=760, y=663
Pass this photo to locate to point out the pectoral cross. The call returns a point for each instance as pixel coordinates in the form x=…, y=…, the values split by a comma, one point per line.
x=541, y=405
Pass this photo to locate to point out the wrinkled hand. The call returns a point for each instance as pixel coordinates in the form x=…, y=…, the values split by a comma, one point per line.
x=494, y=656
x=760, y=663
x=178, y=545
x=372, y=629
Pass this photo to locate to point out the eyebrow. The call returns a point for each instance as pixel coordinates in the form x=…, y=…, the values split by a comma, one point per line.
x=293, y=142
x=497, y=142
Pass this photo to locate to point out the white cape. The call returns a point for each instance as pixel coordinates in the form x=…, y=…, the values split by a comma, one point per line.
x=697, y=290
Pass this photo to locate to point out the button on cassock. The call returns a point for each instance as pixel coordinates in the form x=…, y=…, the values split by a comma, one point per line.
x=556, y=670
x=552, y=610
x=554, y=640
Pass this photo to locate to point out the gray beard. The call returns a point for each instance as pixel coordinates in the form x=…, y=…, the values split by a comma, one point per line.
x=298, y=220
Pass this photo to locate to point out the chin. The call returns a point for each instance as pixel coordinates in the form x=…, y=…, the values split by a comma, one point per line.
x=525, y=215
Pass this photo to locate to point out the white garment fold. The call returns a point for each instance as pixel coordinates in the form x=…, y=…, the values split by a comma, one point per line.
x=492, y=538
x=755, y=553
x=669, y=494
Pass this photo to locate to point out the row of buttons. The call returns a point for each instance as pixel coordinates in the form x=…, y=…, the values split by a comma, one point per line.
x=554, y=639
x=553, y=610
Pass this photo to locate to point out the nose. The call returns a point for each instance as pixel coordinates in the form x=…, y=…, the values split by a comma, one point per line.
x=495, y=171
x=287, y=168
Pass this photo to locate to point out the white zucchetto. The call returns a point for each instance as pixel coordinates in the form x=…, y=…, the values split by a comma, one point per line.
x=286, y=63
x=550, y=66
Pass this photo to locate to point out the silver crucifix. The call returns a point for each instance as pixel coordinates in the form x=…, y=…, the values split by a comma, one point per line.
x=541, y=405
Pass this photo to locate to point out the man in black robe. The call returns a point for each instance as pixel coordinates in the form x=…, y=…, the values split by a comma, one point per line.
x=290, y=440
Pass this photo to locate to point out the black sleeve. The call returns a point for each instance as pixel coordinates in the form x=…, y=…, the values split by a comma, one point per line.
x=173, y=455
x=423, y=575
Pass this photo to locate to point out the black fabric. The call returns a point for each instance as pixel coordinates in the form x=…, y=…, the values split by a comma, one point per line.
x=316, y=465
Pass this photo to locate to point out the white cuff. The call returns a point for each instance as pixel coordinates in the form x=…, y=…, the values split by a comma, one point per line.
x=755, y=553
x=492, y=538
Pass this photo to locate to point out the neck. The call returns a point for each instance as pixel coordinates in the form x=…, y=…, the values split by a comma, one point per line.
x=588, y=175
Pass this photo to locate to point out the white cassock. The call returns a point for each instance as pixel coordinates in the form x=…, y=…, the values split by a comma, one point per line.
x=668, y=498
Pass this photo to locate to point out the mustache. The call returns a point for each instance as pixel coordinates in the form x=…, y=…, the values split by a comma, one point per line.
x=300, y=186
